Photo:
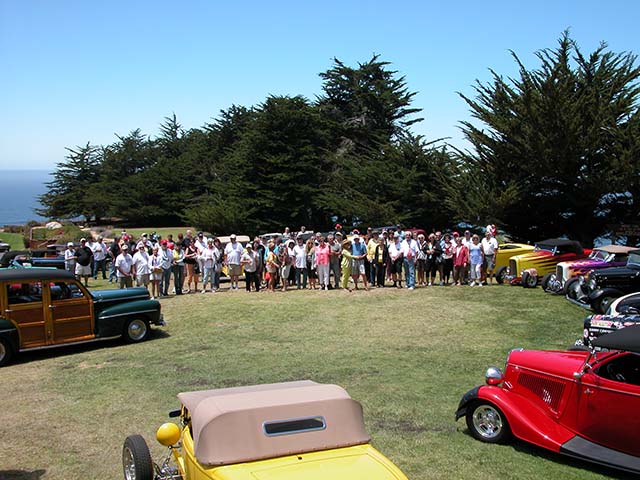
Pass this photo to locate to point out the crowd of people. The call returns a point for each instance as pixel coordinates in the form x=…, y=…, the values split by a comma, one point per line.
x=389, y=257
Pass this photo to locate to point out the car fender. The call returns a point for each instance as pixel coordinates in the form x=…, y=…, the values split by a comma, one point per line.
x=110, y=321
x=601, y=292
x=528, y=421
x=9, y=332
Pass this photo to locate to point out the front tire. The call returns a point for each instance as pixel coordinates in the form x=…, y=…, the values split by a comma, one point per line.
x=487, y=423
x=136, y=330
x=500, y=274
x=136, y=459
x=6, y=352
x=601, y=305
x=550, y=283
x=529, y=281
x=570, y=288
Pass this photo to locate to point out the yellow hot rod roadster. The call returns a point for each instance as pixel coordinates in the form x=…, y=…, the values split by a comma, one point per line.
x=282, y=431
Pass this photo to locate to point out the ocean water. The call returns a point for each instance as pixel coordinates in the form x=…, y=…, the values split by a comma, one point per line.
x=19, y=190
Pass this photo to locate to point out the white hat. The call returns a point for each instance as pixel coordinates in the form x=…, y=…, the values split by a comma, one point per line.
x=69, y=244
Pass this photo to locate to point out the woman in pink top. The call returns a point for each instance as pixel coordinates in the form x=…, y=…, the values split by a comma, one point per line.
x=322, y=262
x=460, y=262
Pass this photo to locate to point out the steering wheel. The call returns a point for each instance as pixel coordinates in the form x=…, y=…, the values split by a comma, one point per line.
x=614, y=373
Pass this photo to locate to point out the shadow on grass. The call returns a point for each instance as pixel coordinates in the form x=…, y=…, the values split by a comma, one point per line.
x=156, y=334
x=539, y=452
x=21, y=474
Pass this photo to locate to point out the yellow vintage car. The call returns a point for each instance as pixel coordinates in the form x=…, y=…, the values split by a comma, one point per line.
x=505, y=252
x=282, y=431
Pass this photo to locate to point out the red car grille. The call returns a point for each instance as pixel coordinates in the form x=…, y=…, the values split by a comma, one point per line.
x=549, y=391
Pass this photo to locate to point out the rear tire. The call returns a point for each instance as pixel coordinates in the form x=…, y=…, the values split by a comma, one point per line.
x=487, y=423
x=529, y=281
x=6, y=352
x=136, y=459
x=500, y=274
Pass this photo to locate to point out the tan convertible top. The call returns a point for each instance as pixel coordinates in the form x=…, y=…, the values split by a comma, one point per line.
x=616, y=248
x=241, y=424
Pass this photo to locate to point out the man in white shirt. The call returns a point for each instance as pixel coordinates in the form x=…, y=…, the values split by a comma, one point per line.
x=124, y=265
x=409, y=248
x=489, y=248
x=300, y=264
x=232, y=255
x=99, y=249
x=141, y=267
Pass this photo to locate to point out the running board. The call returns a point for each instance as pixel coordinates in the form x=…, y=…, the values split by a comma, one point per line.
x=584, y=449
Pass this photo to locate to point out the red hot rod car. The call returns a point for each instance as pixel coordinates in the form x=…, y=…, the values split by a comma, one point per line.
x=580, y=403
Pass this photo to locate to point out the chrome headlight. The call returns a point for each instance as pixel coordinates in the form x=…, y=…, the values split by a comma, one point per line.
x=591, y=282
x=493, y=376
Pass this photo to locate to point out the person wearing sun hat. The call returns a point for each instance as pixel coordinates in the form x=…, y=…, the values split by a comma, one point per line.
x=124, y=265
x=70, y=258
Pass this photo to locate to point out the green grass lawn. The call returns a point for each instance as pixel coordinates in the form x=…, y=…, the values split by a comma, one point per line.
x=137, y=232
x=406, y=356
x=14, y=239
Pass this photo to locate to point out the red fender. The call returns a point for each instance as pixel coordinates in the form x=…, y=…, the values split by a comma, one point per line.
x=528, y=421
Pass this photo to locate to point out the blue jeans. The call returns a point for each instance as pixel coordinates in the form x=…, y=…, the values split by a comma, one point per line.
x=301, y=274
x=207, y=277
x=164, y=281
x=410, y=272
x=100, y=265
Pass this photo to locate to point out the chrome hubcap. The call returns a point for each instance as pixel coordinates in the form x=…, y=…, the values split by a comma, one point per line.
x=137, y=329
x=129, y=465
x=487, y=421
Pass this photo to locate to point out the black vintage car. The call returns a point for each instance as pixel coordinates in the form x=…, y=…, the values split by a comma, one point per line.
x=599, y=288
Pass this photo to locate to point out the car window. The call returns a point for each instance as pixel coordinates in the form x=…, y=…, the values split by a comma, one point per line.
x=623, y=369
x=24, y=293
x=65, y=291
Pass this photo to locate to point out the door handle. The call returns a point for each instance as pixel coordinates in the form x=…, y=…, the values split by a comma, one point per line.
x=8, y=311
x=52, y=306
x=588, y=391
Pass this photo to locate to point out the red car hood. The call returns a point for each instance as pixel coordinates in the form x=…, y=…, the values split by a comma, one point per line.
x=554, y=362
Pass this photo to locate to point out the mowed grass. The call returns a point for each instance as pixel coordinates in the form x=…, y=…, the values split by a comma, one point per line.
x=16, y=240
x=406, y=356
x=162, y=231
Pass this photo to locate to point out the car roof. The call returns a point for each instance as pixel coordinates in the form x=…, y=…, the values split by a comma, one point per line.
x=35, y=273
x=616, y=248
x=559, y=242
x=627, y=339
x=231, y=425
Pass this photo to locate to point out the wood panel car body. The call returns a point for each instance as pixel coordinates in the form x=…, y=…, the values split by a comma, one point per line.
x=579, y=403
x=43, y=308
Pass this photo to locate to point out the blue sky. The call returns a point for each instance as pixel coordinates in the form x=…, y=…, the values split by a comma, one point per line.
x=76, y=71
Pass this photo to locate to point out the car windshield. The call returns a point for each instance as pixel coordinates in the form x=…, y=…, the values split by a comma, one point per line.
x=634, y=258
x=546, y=248
x=599, y=255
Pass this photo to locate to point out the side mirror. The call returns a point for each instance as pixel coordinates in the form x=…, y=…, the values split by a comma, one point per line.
x=168, y=434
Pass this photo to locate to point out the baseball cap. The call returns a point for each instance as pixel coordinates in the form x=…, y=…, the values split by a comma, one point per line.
x=125, y=247
x=69, y=244
x=232, y=236
x=83, y=239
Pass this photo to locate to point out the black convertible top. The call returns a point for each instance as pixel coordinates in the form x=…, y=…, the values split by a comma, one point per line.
x=571, y=245
x=18, y=275
x=624, y=339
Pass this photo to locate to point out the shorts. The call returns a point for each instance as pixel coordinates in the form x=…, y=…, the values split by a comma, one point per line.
x=234, y=270
x=396, y=266
x=357, y=267
x=142, y=279
x=489, y=262
x=83, y=270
